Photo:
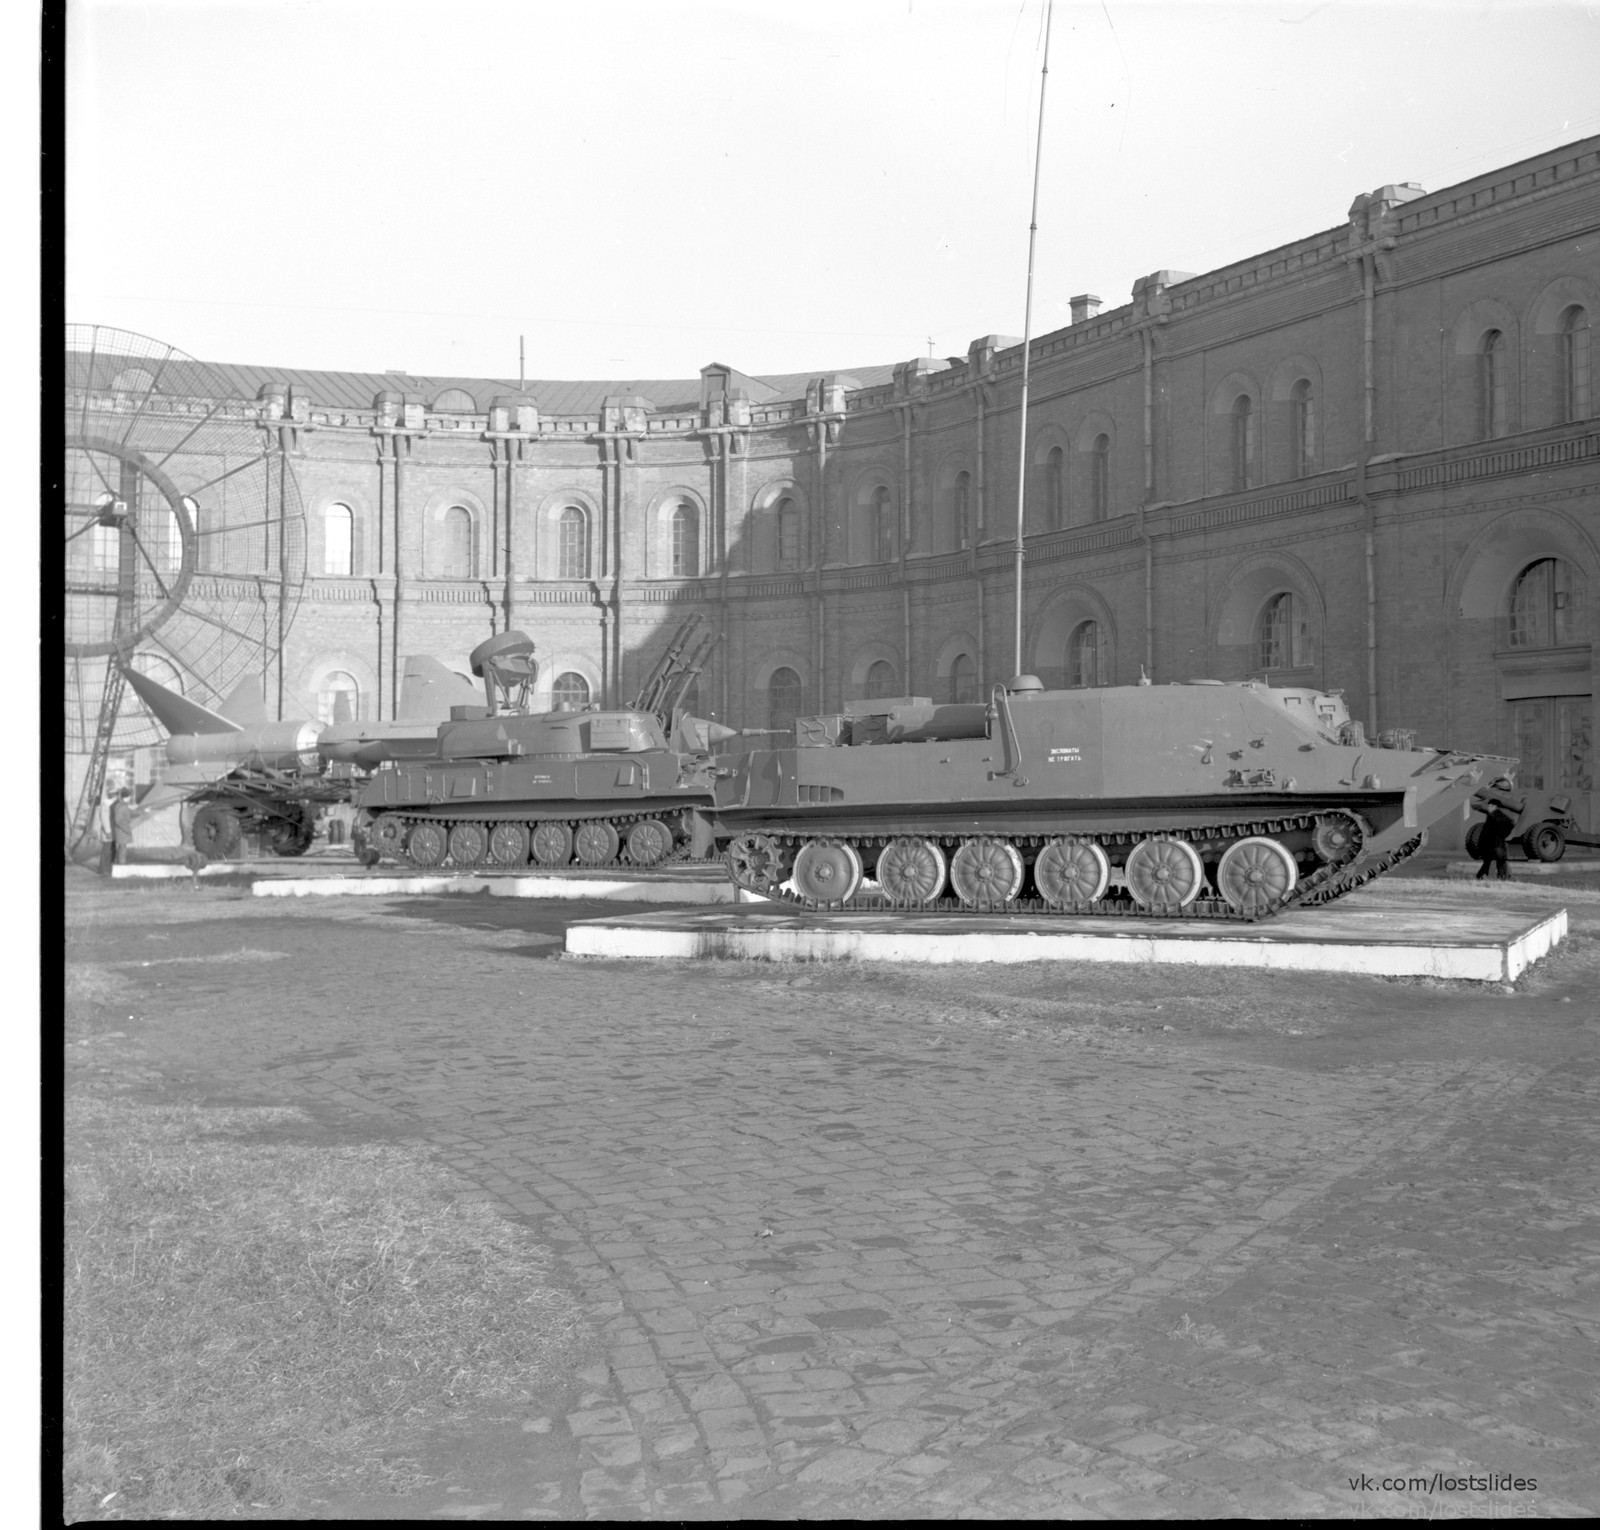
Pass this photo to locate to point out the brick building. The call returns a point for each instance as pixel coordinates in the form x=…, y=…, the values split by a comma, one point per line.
x=1368, y=459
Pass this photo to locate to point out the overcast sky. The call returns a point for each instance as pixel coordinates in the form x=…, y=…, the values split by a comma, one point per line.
x=643, y=188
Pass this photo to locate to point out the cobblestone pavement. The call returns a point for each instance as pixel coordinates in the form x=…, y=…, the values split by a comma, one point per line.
x=1031, y=1242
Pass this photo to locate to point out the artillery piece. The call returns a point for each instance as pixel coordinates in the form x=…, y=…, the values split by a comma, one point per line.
x=505, y=787
x=1205, y=799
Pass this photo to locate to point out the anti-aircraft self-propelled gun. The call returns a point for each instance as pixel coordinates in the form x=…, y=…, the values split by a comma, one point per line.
x=1205, y=799
x=504, y=787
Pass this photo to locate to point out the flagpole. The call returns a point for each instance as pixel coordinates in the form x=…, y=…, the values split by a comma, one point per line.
x=1027, y=336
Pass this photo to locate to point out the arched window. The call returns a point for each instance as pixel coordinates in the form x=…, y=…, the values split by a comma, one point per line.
x=570, y=690
x=1100, y=478
x=338, y=528
x=457, y=545
x=1547, y=605
x=1282, y=633
x=1302, y=430
x=455, y=401
x=788, y=533
x=1492, y=368
x=961, y=509
x=193, y=507
x=1575, y=362
x=572, y=538
x=784, y=700
x=1244, y=441
x=882, y=526
x=1083, y=656
x=963, y=679
x=1055, y=488
x=339, y=698
x=881, y=681
x=685, y=541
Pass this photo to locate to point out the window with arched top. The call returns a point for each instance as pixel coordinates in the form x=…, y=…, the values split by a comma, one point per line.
x=881, y=680
x=882, y=526
x=1100, y=478
x=685, y=541
x=1575, y=363
x=1282, y=640
x=457, y=553
x=572, y=544
x=1547, y=605
x=788, y=517
x=1492, y=368
x=1055, y=489
x=570, y=690
x=1302, y=430
x=963, y=679
x=339, y=698
x=455, y=401
x=192, y=505
x=961, y=509
x=1083, y=656
x=338, y=540
x=1243, y=441
x=784, y=700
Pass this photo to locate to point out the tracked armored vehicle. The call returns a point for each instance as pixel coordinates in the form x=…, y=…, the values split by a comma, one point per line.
x=504, y=787
x=1198, y=800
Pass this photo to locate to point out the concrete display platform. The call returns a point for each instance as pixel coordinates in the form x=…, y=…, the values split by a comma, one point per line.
x=609, y=887
x=1484, y=946
x=1575, y=865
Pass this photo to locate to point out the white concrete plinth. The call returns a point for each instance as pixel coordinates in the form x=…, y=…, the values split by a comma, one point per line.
x=1485, y=946
x=614, y=889
x=166, y=871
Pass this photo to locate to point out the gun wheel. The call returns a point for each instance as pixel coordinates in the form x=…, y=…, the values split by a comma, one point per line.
x=649, y=843
x=216, y=832
x=426, y=845
x=1071, y=871
x=1164, y=873
x=508, y=844
x=468, y=843
x=986, y=873
x=595, y=843
x=911, y=870
x=1256, y=875
x=552, y=843
x=827, y=871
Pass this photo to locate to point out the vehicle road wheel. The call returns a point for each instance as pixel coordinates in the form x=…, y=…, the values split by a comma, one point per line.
x=649, y=843
x=756, y=863
x=595, y=843
x=290, y=836
x=1474, y=840
x=1164, y=873
x=387, y=835
x=986, y=873
x=426, y=845
x=508, y=844
x=827, y=871
x=911, y=870
x=1255, y=875
x=468, y=843
x=217, y=832
x=1544, y=843
x=552, y=843
x=1071, y=871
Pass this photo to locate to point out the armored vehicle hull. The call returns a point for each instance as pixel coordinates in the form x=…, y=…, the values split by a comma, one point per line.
x=1197, y=800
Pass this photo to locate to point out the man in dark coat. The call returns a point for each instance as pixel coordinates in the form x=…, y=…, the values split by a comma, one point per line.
x=121, y=825
x=1500, y=809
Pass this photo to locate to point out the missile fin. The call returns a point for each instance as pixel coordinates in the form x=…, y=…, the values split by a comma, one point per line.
x=246, y=703
x=177, y=714
x=429, y=690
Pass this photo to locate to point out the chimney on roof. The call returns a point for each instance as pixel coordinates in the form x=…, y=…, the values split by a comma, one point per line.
x=1085, y=306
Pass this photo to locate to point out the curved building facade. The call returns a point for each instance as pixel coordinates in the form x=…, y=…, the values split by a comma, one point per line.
x=1367, y=460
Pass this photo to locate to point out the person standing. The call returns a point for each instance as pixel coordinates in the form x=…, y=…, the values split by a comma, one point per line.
x=1500, y=811
x=121, y=826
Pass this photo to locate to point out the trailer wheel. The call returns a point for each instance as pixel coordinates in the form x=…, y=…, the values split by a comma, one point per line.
x=1544, y=842
x=217, y=832
x=1474, y=840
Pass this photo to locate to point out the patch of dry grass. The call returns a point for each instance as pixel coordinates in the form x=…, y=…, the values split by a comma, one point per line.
x=248, y=1315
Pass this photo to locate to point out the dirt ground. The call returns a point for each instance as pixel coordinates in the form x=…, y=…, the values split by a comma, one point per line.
x=885, y=1241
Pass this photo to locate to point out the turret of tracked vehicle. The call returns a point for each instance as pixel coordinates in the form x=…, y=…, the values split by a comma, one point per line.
x=507, y=787
x=1199, y=799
